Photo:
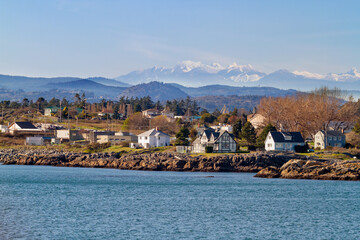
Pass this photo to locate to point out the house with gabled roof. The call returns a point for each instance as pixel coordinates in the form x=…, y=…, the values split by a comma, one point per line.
x=220, y=141
x=283, y=141
x=151, y=113
x=324, y=139
x=257, y=120
x=153, y=138
x=24, y=127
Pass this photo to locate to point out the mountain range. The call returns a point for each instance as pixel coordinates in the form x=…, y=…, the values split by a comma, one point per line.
x=197, y=74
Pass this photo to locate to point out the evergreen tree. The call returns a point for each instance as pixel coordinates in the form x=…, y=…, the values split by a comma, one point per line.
x=193, y=134
x=248, y=133
x=182, y=137
x=237, y=128
x=207, y=118
x=260, y=141
x=356, y=128
x=25, y=102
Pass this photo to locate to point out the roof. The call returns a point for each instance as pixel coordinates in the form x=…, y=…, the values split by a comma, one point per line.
x=280, y=137
x=222, y=133
x=208, y=132
x=152, y=132
x=254, y=115
x=151, y=110
x=52, y=107
x=332, y=133
x=27, y=125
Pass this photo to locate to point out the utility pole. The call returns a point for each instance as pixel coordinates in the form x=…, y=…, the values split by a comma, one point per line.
x=60, y=110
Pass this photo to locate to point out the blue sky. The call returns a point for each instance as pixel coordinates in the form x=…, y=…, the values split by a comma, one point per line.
x=110, y=38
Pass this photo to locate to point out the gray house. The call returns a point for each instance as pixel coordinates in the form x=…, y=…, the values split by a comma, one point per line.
x=325, y=139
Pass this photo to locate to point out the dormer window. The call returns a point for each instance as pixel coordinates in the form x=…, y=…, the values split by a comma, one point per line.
x=287, y=136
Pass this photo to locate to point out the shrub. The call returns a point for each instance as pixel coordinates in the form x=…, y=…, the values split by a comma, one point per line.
x=209, y=149
x=251, y=148
x=301, y=149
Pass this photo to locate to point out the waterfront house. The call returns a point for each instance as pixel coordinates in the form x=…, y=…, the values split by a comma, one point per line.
x=325, y=139
x=220, y=141
x=153, y=138
x=283, y=141
x=23, y=127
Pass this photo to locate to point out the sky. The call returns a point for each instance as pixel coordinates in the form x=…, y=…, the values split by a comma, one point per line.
x=84, y=38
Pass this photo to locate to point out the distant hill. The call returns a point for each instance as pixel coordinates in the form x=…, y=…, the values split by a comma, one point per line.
x=98, y=89
x=156, y=90
x=223, y=90
x=109, y=82
x=37, y=83
x=211, y=103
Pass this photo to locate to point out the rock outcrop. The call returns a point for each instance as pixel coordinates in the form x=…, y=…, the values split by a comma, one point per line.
x=314, y=169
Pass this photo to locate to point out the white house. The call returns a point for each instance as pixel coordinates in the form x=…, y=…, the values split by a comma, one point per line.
x=324, y=139
x=23, y=127
x=153, y=138
x=257, y=120
x=283, y=141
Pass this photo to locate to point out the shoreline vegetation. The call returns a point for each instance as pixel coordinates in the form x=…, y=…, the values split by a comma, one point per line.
x=265, y=164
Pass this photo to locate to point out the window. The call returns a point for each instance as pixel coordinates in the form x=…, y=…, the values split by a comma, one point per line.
x=145, y=138
x=339, y=138
x=226, y=145
x=159, y=138
x=269, y=145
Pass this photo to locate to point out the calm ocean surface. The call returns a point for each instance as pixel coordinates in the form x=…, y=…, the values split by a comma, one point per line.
x=39, y=202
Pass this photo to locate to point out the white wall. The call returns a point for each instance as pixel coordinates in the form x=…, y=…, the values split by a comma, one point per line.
x=154, y=141
x=37, y=141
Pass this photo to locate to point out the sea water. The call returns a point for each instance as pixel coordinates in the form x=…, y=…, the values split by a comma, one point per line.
x=40, y=202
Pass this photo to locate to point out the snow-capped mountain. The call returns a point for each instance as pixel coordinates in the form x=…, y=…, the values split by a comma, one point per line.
x=195, y=74
x=350, y=76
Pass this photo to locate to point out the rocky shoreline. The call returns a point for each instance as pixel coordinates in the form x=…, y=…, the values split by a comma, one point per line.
x=314, y=169
x=266, y=164
x=160, y=161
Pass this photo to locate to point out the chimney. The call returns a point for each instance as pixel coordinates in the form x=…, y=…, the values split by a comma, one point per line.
x=156, y=128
